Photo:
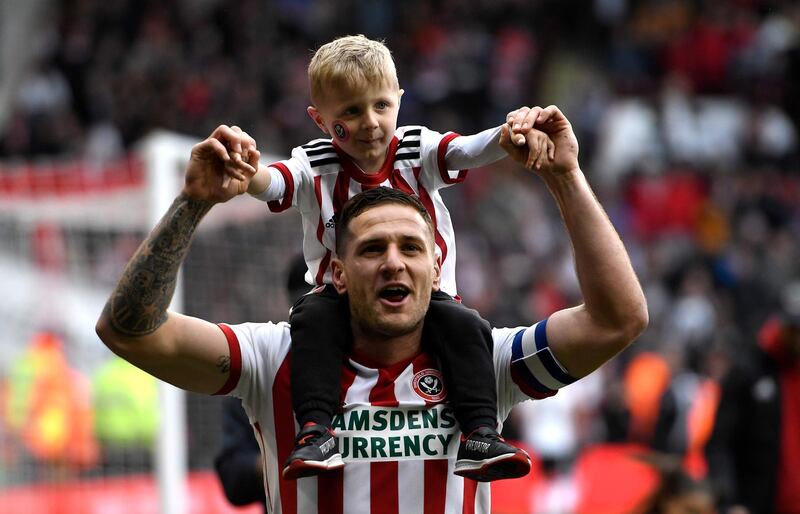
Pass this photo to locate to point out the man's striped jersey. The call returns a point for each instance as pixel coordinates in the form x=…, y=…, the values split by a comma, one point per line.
x=397, y=432
x=320, y=178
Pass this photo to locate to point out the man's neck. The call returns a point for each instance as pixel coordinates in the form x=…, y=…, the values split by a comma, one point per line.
x=383, y=351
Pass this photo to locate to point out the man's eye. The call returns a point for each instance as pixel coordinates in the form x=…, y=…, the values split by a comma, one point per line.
x=412, y=248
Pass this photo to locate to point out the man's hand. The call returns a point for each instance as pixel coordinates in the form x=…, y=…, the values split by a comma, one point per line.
x=221, y=166
x=533, y=149
x=550, y=120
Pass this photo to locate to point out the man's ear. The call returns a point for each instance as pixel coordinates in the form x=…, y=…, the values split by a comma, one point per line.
x=338, y=276
x=437, y=275
x=317, y=118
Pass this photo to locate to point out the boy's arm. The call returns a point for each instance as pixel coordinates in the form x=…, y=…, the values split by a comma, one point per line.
x=475, y=151
x=484, y=148
x=268, y=184
x=260, y=181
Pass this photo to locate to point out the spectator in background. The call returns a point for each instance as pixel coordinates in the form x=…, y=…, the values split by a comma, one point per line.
x=238, y=462
x=677, y=492
x=754, y=451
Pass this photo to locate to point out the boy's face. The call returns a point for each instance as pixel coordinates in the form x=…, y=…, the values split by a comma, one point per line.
x=361, y=120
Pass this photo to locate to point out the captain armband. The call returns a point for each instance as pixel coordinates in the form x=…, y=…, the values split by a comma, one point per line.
x=534, y=368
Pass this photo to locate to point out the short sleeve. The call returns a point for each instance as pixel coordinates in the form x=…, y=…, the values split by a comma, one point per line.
x=525, y=366
x=257, y=351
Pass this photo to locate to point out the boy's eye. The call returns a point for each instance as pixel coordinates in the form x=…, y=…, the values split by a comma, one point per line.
x=382, y=105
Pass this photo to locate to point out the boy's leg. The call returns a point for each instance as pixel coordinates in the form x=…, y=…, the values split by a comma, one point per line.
x=320, y=333
x=463, y=342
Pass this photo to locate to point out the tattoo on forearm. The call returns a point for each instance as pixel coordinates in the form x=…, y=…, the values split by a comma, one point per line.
x=138, y=305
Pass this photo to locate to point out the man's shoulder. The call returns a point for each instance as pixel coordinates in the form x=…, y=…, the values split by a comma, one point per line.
x=502, y=333
x=269, y=333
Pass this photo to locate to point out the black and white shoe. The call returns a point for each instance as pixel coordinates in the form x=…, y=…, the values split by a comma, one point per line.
x=485, y=456
x=316, y=451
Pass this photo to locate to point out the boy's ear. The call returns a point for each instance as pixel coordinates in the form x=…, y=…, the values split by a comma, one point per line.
x=317, y=118
x=338, y=276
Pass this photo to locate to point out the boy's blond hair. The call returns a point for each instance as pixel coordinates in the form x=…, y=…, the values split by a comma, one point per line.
x=350, y=62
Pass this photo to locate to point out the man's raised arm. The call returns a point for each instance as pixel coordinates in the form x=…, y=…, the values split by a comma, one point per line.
x=135, y=324
x=614, y=311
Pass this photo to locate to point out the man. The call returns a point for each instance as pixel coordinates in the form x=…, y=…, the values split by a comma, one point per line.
x=396, y=429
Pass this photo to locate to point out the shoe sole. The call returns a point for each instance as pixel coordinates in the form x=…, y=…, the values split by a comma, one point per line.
x=509, y=465
x=301, y=468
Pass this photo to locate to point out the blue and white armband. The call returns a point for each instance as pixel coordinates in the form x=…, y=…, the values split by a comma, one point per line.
x=534, y=368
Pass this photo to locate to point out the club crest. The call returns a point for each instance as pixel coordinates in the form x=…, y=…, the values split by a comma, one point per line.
x=428, y=384
x=340, y=131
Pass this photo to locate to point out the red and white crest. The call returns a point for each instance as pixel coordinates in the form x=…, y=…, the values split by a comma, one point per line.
x=429, y=385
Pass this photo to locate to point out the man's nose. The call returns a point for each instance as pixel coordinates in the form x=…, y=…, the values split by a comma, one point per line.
x=393, y=262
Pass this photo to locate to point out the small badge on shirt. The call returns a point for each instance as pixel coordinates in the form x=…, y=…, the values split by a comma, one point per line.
x=428, y=384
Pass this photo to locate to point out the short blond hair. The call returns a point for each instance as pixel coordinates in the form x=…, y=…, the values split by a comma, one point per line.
x=350, y=62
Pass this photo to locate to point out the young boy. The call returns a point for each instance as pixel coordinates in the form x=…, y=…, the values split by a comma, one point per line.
x=356, y=97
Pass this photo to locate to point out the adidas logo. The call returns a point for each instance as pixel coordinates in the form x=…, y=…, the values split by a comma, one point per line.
x=477, y=446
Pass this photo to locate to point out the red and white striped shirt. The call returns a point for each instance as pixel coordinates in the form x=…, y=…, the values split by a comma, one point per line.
x=319, y=178
x=397, y=433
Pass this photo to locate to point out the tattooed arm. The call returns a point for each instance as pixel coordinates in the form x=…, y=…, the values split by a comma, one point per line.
x=187, y=352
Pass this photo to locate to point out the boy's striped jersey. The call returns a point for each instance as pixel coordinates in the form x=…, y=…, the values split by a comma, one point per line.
x=320, y=178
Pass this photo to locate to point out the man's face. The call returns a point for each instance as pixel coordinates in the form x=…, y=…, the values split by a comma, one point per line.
x=361, y=121
x=388, y=270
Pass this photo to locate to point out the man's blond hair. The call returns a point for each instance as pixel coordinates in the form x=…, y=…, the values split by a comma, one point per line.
x=350, y=62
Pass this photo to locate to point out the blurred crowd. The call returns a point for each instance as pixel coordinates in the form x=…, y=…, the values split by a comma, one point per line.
x=687, y=113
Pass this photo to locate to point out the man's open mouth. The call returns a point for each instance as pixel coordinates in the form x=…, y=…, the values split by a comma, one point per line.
x=394, y=294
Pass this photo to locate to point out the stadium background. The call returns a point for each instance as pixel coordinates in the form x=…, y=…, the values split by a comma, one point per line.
x=686, y=111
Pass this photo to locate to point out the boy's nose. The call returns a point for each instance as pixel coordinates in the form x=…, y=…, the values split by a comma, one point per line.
x=370, y=120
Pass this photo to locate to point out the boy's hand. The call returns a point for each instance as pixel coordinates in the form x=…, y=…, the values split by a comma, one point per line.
x=552, y=122
x=221, y=166
x=538, y=150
